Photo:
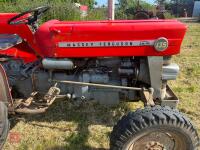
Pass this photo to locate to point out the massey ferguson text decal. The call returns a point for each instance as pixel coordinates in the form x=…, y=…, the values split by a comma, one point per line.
x=107, y=44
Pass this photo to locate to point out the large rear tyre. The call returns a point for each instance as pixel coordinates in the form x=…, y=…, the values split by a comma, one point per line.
x=140, y=15
x=4, y=124
x=154, y=128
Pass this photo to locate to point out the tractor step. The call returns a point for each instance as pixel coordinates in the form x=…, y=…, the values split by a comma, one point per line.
x=171, y=99
x=34, y=104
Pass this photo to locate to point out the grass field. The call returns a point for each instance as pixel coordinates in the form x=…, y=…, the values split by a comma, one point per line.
x=66, y=126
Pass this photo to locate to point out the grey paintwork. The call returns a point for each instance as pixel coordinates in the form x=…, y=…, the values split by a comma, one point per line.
x=127, y=72
x=51, y=63
x=170, y=72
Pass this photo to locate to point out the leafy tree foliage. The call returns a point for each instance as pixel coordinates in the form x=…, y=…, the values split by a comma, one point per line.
x=127, y=8
x=60, y=9
x=177, y=7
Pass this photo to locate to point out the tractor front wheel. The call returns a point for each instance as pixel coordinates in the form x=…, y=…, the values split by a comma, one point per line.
x=4, y=124
x=154, y=128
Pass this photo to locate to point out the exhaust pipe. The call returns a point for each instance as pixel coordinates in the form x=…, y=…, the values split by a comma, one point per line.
x=57, y=64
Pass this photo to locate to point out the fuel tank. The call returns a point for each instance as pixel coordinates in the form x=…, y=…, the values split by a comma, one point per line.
x=110, y=38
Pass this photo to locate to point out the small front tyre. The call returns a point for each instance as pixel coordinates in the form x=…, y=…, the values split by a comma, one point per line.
x=154, y=128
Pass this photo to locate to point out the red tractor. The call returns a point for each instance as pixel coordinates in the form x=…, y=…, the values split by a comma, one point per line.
x=106, y=61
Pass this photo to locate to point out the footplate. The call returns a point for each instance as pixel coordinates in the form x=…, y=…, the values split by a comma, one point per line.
x=170, y=99
x=34, y=104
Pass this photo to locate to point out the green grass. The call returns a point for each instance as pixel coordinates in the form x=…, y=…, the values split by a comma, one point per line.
x=66, y=126
x=187, y=85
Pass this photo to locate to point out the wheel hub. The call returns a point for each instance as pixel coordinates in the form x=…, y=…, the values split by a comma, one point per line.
x=158, y=140
x=154, y=146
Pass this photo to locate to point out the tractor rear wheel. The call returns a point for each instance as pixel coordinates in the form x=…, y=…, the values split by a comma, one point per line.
x=154, y=128
x=140, y=15
x=4, y=124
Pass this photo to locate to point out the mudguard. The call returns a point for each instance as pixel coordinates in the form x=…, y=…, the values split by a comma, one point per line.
x=5, y=94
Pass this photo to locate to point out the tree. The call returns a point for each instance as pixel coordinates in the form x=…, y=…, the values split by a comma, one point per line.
x=127, y=8
x=178, y=6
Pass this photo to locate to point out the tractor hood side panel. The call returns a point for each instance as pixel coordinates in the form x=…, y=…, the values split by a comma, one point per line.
x=109, y=38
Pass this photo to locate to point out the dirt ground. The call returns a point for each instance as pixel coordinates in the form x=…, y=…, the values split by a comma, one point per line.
x=87, y=127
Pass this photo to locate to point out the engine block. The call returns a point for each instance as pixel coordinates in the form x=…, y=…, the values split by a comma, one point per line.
x=117, y=71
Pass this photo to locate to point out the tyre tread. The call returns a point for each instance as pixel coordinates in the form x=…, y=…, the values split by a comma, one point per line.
x=148, y=117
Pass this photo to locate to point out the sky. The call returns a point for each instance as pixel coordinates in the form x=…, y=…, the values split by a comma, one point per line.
x=101, y=2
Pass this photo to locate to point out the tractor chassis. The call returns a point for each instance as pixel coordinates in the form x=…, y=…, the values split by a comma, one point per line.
x=36, y=103
x=158, y=94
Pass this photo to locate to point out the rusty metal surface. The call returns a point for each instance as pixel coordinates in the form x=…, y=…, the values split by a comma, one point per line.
x=158, y=140
x=35, y=105
x=147, y=97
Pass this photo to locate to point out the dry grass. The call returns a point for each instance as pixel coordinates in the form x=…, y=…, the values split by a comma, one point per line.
x=66, y=126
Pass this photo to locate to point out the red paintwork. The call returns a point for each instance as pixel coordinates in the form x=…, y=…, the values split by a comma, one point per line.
x=45, y=40
x=57, y=31
x=21, y=50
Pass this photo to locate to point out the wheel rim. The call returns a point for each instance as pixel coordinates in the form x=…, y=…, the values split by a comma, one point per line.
x=157, y=140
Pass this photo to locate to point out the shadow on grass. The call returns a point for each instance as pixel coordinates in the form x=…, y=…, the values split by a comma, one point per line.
x=84, y=115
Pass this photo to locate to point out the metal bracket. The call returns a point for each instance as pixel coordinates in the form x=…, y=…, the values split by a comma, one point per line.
x=155, y=64
x=171, y=99
x=147, y=97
